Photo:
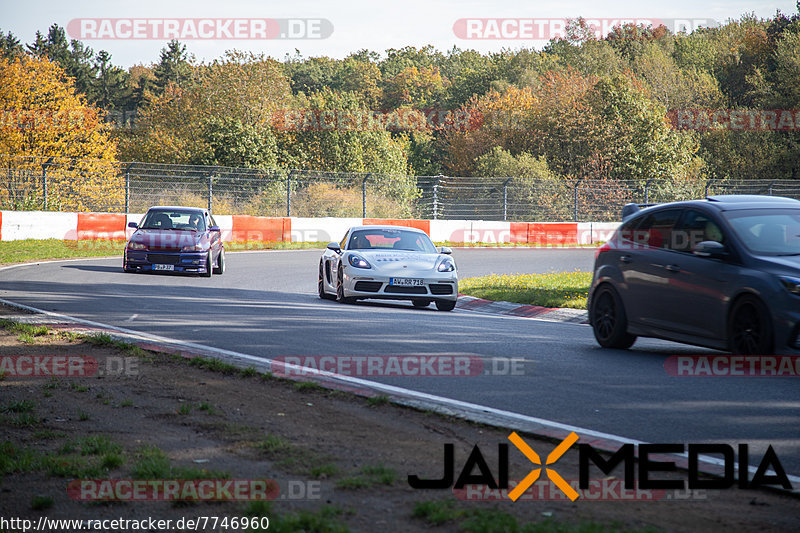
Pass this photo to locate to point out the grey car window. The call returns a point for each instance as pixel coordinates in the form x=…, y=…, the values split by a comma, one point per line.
x=656, y=229
x=695, y=227
x=768, y=232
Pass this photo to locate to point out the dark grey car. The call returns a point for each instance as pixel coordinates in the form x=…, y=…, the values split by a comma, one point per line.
x=723, y=272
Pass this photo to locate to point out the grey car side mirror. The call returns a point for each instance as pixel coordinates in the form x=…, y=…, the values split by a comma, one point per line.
x=711, y=249
x=446, y=250
x=334, y=246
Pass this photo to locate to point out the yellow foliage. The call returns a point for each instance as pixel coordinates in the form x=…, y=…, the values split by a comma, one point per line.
x=44, y=121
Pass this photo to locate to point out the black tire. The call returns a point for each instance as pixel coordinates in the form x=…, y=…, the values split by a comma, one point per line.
x=750, y=327
x=608, y=319
x=340, y=297
x=420, y=304
x=321, y=284
x=445, y=305
x=220, y=268
x=209, y=269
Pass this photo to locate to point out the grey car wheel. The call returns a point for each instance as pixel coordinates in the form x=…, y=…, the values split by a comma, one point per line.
x=749, y=327
x=608, y=319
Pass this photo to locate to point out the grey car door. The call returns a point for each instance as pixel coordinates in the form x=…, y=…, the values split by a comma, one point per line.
x=698, y=287
x=643, y=269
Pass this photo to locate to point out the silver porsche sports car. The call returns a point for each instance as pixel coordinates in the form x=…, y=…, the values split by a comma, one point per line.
x=388, y=263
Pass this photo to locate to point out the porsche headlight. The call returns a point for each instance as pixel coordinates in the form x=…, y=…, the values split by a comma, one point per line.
x=447, y=265
x=358, y=261
x=136, y=246
x=791, y=284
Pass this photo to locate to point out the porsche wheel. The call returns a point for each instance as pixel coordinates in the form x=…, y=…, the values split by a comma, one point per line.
x=321, y=284
x=445, y=305
x=420, y=304
x=340, y=297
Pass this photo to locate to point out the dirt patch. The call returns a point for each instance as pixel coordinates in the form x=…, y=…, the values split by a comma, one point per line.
x=336, y=457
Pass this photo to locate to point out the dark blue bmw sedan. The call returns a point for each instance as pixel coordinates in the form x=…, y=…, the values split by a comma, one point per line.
x=175, y=239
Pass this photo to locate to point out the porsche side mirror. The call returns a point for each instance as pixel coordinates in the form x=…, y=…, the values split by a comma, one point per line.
x=133, y=225
x=334, y=246
x=446, y=250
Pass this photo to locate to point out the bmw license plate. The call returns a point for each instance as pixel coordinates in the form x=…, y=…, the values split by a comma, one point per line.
x=407, y=282
x=163, y=267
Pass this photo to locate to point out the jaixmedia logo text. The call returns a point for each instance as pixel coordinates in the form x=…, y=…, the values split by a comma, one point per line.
x=591, y=462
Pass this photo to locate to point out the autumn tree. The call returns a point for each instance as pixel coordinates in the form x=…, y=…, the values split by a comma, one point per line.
x=46, y=122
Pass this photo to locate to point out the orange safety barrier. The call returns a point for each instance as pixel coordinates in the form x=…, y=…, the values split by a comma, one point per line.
x=424, y=225
x=101, y=226
x=248, y=228
x=544, y=233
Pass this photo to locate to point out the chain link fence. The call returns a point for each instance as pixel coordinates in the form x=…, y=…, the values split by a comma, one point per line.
x=86, y=185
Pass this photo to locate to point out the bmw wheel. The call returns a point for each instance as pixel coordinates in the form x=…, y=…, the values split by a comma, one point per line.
x=209, y=267
x=749, y=327
x=220, y=269
x=608, y=319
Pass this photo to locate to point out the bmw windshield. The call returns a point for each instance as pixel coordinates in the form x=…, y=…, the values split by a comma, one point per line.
x=774, y=232
x=170, y=219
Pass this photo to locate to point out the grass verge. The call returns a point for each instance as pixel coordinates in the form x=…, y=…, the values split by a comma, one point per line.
x=561, y=289
x=42, y=249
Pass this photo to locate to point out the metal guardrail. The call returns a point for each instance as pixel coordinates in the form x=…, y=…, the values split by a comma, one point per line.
x=28, y=183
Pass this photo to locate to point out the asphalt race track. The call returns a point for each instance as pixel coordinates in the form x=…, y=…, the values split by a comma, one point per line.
x=266, y=305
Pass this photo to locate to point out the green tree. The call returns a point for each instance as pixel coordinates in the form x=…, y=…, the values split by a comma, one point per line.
x=174, y=66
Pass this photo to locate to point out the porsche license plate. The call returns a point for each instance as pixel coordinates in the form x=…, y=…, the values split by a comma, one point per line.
x=407, y=282
x=163, y=267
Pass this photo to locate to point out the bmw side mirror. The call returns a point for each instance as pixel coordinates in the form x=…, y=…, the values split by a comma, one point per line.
x=710, y=249
x=334, y=246
x=213, y=228
x=133, y=225
x=446, y=250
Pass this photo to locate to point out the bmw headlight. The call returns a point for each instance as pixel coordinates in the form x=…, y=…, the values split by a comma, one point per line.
x=447, y=265
x=358, y=261
x=136, y=246
x=195, y=248
x=791, y=284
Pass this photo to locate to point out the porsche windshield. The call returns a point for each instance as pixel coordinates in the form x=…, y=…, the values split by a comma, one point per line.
x=768, y=231
x=383, y=239
x=166, y=219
